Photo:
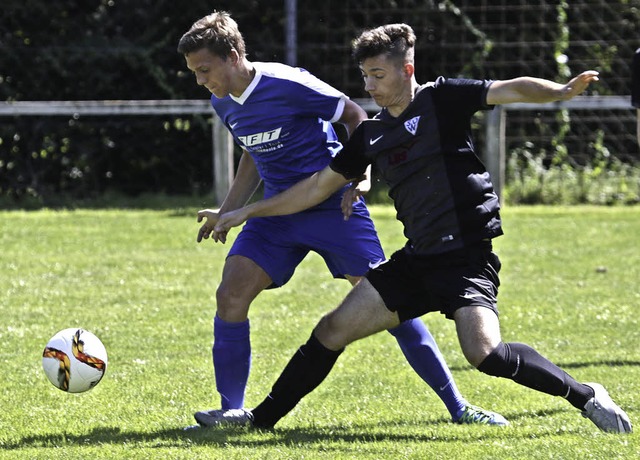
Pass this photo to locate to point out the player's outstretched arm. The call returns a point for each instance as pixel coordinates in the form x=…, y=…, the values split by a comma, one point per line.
x=242, y=189
x=305, y=194
x=539, y=90
x=352, y=116
x=210, y=217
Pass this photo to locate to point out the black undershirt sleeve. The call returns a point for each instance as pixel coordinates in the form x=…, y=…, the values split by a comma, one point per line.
x=351, y=161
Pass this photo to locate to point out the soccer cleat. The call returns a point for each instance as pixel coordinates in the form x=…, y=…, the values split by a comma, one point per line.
x=477, y=415
x=192, y=428
x=219, y=417
x=606, y=414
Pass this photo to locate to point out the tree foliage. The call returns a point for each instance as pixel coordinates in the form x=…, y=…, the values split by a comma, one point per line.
x=117, y=49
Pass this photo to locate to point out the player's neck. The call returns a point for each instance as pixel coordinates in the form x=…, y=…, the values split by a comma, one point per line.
x=398, y=108
x=245, y=75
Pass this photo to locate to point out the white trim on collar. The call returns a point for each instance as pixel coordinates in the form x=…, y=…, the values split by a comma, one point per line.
x=247, y=92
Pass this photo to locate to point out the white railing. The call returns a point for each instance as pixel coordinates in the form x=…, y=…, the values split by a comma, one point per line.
x=222, y=142
x=494, y=155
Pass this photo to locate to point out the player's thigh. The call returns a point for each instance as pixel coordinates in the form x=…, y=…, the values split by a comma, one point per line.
x=242, y=281
x=478, y=331
x=361, y=314
x=353, y=279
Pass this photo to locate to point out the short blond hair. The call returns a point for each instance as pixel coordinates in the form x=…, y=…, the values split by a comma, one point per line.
x=217, y=32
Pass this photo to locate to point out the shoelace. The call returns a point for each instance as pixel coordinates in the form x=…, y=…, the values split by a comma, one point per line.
x=472, y=414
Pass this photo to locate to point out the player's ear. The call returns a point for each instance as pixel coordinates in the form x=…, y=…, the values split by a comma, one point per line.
x=408, y=69
x=234, y=57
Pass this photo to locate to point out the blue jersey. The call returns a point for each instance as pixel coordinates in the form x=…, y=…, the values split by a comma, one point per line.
x=283, y=119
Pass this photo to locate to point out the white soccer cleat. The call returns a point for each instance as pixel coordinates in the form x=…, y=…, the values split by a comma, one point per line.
x=474, y=415
x=606, y=414
x=219, y=417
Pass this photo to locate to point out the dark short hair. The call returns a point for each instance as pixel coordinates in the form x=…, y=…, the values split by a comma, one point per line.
x=217, y=32
x=395, y=40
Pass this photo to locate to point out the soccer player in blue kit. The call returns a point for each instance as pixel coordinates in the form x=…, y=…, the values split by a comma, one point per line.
x=281, y=117
x=421, y=143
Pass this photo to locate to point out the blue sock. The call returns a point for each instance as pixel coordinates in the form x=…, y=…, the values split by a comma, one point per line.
x=231, y=361
x=421, y=350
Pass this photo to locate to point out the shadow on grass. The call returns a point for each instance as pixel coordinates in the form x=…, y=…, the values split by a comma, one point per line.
x=603, y=363
x=580, y=365
x=391, y=431
x=146, y=201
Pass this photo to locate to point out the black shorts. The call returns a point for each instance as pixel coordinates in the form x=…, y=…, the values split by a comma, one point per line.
x=413, y=285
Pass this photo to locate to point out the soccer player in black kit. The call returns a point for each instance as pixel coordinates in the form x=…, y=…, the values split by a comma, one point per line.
x=421, y=144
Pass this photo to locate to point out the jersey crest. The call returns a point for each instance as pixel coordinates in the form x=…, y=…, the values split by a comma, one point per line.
x=412, y=125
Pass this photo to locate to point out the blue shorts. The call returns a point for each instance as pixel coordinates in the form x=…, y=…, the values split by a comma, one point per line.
x=278, y=244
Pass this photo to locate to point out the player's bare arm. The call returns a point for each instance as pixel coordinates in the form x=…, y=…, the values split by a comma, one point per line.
x=305, y=194
x=359, y=187
x=538, y=90
x=242, y=189
x=352, y=116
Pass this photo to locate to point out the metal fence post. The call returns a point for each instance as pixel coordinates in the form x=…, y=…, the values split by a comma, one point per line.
x=223, y=165
x=291, y=32
x=494, y=148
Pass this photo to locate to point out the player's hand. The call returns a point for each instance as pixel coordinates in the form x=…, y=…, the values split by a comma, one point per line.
x=351, y=195
x=229, y=220
x=207, y=228
x=577, y=85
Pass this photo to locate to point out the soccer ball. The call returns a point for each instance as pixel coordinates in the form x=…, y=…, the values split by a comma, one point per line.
x=74, y=360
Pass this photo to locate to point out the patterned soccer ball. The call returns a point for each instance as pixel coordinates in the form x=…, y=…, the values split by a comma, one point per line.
x=74, y=360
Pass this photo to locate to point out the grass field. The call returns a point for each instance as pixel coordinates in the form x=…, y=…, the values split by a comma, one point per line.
x=138, y=280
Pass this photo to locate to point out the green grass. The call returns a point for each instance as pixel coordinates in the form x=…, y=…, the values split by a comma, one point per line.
x=139, y=281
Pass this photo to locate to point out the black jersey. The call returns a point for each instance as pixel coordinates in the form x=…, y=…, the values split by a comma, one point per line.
x=442, y=192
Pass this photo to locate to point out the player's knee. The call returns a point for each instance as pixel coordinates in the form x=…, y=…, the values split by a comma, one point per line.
x=477, y=356
x=230, y=305
x=329, y=333
x=497, y=363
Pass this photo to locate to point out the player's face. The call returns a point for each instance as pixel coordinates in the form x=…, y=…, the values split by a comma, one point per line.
x=211, y=71
x=387, y=82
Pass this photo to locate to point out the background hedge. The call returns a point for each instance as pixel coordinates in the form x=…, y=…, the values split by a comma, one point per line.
x=116, y=49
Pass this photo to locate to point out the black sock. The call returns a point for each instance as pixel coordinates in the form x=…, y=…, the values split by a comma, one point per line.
x=524, y=365
x=305, y=371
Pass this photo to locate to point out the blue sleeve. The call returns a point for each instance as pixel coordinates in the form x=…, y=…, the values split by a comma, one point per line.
x=315, y=98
